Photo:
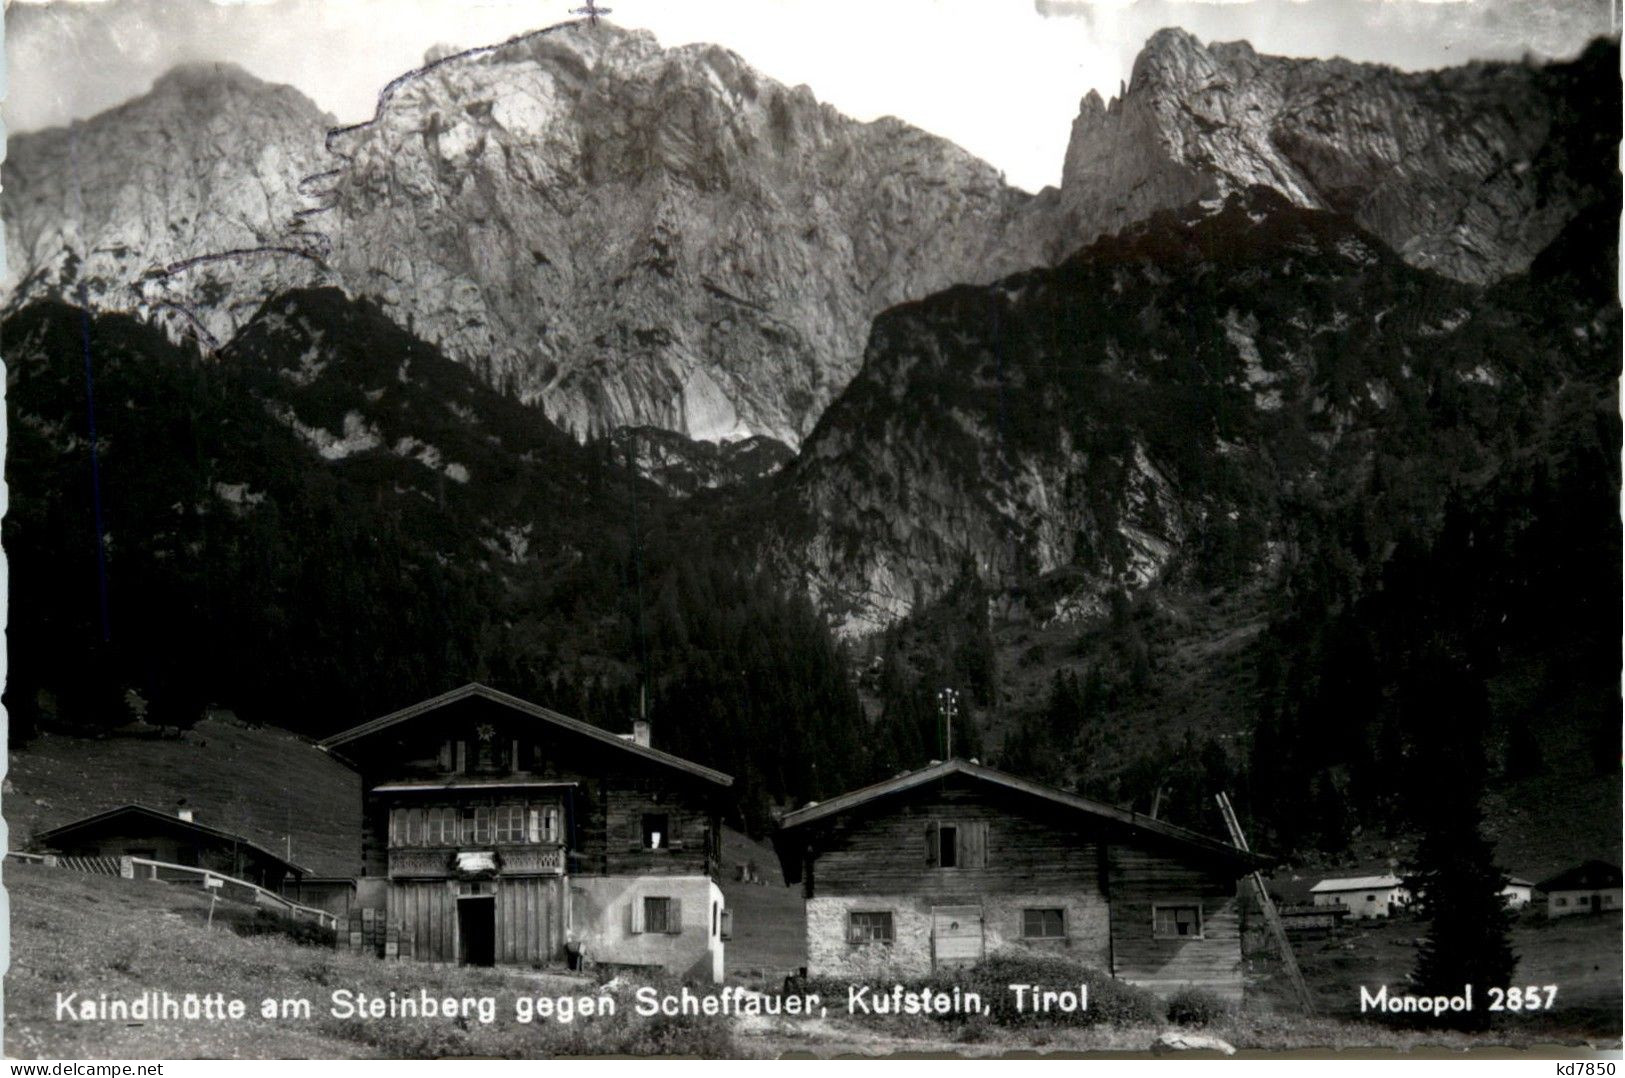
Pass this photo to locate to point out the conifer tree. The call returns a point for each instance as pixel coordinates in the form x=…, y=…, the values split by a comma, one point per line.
x=1454, y=875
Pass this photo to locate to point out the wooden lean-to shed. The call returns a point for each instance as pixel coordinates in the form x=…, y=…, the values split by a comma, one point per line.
x=939, y=867
x=139, y=831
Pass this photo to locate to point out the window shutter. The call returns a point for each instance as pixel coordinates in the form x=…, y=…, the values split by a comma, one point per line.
x=674, y=917
x=727, y=924
x=447, y=753
x=675, y=839
x=931, y=858
x=973, y=844
x=462, y=757
x=635, y=915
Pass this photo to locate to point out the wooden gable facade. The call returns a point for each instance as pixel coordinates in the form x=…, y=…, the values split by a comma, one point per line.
x=490, y=817
x=942, y=866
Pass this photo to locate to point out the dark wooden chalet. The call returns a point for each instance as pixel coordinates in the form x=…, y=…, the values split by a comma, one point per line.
x=941, y=866
x=139, y=831
x=498, y=831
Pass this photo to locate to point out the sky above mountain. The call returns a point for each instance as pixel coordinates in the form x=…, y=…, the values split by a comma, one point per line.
x=1000, y=77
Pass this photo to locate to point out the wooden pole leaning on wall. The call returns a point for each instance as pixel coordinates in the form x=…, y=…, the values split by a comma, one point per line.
x=1272, y=917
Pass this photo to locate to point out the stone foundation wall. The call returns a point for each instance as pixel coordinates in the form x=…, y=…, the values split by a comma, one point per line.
x=829, y=954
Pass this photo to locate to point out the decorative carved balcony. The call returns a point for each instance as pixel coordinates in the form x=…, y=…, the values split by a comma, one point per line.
x=439, y=862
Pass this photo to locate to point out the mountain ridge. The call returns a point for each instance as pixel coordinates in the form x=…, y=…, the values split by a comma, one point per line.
x=1010, y=424
x=634, y=236
x=1464, y=170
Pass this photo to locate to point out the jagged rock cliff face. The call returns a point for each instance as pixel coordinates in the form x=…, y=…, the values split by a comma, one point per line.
x=632, y=235
x=1166, y=407
x=627, y=235
x=182, y=206
x=1469, y=171
x=638, y=237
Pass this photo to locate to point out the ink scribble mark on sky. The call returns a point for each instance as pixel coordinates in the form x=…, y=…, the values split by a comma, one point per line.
x=950, y=66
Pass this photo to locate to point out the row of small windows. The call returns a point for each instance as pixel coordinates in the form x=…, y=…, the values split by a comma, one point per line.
x=877, y=926
x=512, y=824
x=1606, y=900
x=1037, y=923
x=488, y=752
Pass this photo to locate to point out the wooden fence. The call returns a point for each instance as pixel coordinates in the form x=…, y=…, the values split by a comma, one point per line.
x=141, y=868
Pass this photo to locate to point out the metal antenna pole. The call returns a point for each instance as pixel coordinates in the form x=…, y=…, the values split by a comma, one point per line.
x=947, y=709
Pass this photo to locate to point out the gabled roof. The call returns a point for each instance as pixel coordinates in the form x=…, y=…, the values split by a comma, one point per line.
x=151, y=816
x=1357, y=883
x=474, y=690
x=1517, y=881
x=1591, y=875
x=814, y=813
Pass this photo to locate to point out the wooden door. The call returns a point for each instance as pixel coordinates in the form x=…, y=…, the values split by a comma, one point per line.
x=956, y=936
x=476, y=930
x=530, y=920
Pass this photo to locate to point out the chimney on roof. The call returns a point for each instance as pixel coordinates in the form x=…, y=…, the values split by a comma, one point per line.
x=640, y=732
x=185, y=814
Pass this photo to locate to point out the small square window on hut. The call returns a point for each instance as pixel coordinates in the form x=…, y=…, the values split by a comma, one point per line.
x=869, y=926
x=657, y=915
x=656, y=831
x=1043, y=924
x=1176, y=922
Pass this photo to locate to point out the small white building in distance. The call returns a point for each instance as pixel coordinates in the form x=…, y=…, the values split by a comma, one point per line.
x=1592, y=887
x=1518, y=893
x=1363, y=896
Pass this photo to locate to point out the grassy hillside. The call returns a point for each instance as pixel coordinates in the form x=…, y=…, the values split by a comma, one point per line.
x=266, y=784
x=94, y=934
x=770, y=922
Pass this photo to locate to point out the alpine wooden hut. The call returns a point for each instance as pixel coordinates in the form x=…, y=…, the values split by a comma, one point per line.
x=497, y=831
x=938, y=867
